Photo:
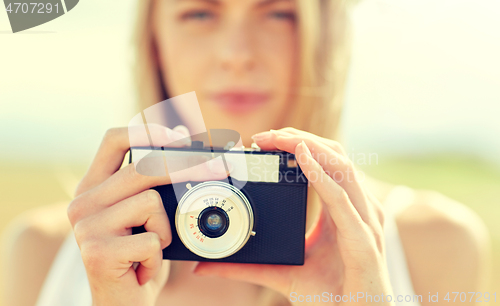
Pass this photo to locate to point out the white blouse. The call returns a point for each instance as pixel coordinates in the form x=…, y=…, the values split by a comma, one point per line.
x=67, y=284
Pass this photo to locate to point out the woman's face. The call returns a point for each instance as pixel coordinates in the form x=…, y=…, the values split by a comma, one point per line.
x=239, y=56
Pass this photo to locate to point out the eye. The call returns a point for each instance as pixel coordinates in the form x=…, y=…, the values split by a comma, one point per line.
x=198, y=15
x=282, y=15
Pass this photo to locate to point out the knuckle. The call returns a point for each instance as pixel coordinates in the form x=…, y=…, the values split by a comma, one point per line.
x=72, y=213
x=81, y=188
x=132, y=175
x=153, y=197
x=92, y=253
x=74, y=210
x=168, y=239
x=82, y=231
x=153, y=201
x=111, y=133
x=155, y=242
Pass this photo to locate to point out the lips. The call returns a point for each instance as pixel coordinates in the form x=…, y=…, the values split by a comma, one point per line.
x=239, y=101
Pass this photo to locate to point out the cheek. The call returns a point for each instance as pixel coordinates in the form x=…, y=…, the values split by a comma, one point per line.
x=280, y=55
x=182, y=61
x=278, y=46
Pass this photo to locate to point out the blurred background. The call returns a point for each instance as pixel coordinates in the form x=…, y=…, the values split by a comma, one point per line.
x=423, y=94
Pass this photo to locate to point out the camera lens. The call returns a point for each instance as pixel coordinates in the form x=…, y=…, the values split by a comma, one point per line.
x=213, y=222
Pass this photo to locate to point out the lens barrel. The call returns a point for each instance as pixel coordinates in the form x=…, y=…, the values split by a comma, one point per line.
x=213, y=222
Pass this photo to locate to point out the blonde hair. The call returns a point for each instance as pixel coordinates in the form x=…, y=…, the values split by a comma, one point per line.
x=324, y=36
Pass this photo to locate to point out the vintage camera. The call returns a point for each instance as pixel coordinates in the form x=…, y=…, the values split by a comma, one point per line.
x=256, y=215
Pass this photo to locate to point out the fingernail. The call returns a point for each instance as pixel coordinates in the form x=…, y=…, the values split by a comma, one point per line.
x=178, y=137
x=200, y=272
x=193, y=268
x=197, y=272
x=182, y=129
x=306, y=149
x=217, y=166
x=173, y=135
x=262, y=136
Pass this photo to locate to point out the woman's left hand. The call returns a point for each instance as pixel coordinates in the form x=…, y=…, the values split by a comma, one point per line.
x=344, y=253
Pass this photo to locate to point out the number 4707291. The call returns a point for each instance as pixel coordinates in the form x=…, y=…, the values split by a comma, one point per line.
x=32, y=8
x=470, y=296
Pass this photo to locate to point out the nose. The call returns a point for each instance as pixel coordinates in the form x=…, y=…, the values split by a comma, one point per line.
x=236, y=48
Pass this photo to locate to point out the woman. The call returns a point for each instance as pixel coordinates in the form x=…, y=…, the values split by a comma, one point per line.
x=255, y=65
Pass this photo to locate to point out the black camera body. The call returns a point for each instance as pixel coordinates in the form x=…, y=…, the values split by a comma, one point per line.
x=260, y=219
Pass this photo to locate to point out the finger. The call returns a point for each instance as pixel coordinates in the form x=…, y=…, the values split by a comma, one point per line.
x=127, y=182
x=288, y=142
x=342, y=211
x=158, y=135
x=116, y=143
x=183, y=130
x=379, y=209
x=144, y=248
x=149, y=268
x=291, y=137
x=322, y=224
x=145, y=208
x=276, y=277
x=334, y=145
x=338, y=167
x=345, y=174
x=162, y=276
x=265, y=140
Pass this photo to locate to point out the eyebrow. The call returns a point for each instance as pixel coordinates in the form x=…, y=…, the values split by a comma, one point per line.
x=213, y=2
x=268, y=2
x=217, y=2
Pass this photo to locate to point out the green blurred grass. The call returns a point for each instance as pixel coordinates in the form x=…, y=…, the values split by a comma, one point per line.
x=468, y=180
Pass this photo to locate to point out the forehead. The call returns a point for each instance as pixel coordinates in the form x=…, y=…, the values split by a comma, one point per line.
x=232, y=2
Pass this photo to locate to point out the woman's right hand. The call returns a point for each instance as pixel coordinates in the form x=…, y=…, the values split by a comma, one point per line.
x=109, y=201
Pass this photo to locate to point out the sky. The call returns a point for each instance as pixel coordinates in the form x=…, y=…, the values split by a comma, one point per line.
x=425, y=79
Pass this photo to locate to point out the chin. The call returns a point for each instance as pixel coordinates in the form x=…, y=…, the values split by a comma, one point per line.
x=246, y=125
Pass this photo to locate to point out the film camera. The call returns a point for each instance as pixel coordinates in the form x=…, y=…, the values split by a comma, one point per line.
x=255, y=215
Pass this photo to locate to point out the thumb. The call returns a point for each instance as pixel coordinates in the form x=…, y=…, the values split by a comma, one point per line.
x=183, y=130
x=276, y=277
x=161, y=278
